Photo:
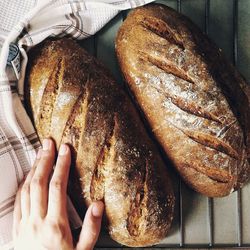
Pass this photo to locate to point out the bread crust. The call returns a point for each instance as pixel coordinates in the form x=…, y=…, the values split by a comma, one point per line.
x=196, y=103
x=74, y=100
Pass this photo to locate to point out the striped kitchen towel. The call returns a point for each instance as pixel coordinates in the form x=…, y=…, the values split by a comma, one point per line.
x=24, y=24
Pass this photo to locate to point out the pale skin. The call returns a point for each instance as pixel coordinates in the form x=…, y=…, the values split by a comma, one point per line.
x=40, y=215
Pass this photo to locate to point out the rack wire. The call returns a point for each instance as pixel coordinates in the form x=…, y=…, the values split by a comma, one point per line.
x=210, y=200
x=211, y=207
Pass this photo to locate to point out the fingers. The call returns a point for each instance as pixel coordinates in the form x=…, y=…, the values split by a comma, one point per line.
x=58, y=184
x=39, y=182
x=25, y=193
x=34, y=194
x=17, y=214
x=22, y=201
x=91, y=226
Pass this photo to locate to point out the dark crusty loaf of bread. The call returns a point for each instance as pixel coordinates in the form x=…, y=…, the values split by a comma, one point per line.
x=74, y=100
x=196, y=103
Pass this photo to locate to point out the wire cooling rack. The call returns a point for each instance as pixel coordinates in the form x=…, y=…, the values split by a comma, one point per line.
x=199, y=221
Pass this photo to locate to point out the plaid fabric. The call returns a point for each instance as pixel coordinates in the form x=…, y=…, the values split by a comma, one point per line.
x=43, y=18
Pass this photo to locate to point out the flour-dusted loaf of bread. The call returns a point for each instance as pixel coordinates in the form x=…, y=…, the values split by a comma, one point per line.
x=196, y=103
x=74, y=100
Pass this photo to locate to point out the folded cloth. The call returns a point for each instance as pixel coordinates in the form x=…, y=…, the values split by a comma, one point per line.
x=19, y=32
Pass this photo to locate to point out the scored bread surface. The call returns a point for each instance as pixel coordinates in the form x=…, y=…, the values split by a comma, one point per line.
x=73, y=99
x=196, y=103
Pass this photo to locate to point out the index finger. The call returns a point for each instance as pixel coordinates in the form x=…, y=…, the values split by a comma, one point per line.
x=17, y=213
x=58, y=184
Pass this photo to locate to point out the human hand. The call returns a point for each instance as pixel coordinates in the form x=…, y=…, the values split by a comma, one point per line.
x=40, y=214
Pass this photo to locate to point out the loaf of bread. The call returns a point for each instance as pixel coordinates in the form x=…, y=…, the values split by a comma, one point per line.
x=197, y=104
x=74, y=100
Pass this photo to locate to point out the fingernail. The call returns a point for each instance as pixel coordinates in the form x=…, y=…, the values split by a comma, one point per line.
x=97, y=209
x=46, y=144
x=63, y=149
x=39, y=154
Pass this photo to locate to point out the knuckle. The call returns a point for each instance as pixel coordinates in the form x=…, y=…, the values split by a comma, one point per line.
x=37, y=182
x=33, y=225
x=57, y=185
x=93, y=233
x=57, y=227
x=25, y=189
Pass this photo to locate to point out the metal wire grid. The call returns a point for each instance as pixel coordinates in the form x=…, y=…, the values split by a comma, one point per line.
x=210, y=201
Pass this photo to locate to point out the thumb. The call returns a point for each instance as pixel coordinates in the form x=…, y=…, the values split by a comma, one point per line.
x=91, y=226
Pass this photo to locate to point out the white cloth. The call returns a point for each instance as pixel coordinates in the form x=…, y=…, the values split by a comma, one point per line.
x=24, y=24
